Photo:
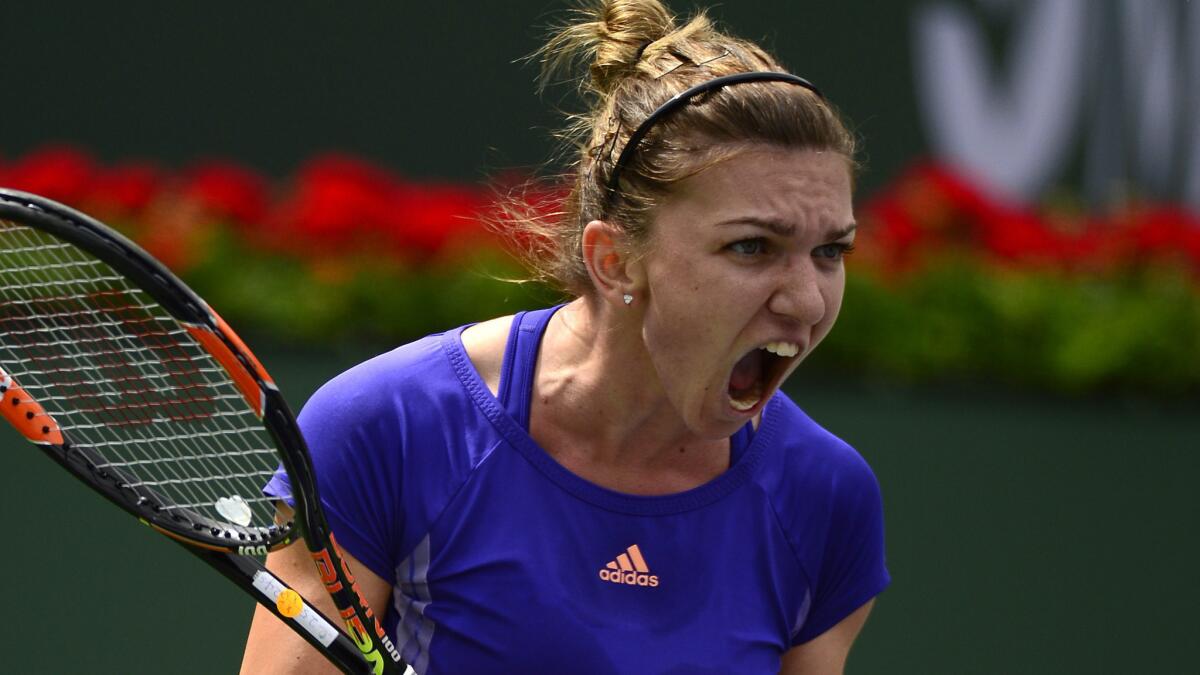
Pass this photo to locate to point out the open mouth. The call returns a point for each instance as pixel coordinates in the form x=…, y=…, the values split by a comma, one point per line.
x=759, y=372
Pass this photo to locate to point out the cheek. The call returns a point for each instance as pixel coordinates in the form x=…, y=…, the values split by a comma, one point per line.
x=676, y=297
x=675, y=277
x=700, y=302
x=687, y=326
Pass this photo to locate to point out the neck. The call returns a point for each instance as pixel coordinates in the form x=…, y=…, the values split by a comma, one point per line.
x=598, y=396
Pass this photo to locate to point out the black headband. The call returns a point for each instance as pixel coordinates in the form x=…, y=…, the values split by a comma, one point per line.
x=679, y=100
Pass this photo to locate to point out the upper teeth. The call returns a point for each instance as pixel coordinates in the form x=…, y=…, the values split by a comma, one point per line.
x=785, y=349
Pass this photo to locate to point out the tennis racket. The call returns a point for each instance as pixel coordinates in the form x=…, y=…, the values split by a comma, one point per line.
x=128, y=380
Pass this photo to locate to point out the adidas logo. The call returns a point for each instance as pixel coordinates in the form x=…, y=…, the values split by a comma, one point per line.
x=629, y=568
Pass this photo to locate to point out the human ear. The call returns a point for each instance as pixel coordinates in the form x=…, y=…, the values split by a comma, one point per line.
x=608, y=261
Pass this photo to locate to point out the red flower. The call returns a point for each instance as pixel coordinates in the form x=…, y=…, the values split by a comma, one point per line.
x=228, y=191
x=1019, y=235
x=424, y=219
x=958, y=192
x=56, y=172
x=1166, y=233
x=124, y=190
x=336, y=202
x=891, y=236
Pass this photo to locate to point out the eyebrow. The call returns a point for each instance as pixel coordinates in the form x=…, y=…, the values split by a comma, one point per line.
x=785, y=229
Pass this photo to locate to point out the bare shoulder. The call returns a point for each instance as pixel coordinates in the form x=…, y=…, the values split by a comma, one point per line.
x=485, y=344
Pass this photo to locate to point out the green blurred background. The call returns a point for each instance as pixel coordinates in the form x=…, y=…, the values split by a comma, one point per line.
x=1035, y=524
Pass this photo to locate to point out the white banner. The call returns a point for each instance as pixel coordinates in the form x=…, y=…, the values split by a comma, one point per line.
x=1108, y=85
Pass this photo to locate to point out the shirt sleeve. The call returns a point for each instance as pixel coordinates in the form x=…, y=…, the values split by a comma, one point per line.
x=357, y=467
x=852, y=567
x=392, y=440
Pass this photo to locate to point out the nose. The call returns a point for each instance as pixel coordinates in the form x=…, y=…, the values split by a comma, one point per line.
x=798, y=294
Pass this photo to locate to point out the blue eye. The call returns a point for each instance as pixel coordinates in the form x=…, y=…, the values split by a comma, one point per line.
x=834, y=251
x=749, y=247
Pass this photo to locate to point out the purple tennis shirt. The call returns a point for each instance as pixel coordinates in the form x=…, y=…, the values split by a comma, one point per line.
x=503, y=561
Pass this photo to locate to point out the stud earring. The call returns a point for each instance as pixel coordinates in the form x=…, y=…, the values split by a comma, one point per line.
x=627, y=298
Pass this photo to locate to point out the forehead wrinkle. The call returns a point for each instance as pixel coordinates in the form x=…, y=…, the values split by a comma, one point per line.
x=779, y=227
x=785, y=229
x=802, y=198
x=771, y=190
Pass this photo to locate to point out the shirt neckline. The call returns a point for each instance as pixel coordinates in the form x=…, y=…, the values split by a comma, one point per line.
x=520, y=440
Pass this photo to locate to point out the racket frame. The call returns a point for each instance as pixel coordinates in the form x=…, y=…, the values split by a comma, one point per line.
x=366, y=646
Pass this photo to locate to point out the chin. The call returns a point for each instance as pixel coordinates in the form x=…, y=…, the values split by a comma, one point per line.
x=719, y=426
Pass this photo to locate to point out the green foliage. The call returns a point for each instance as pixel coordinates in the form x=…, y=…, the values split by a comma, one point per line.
x=958, y=318
x=355, y=298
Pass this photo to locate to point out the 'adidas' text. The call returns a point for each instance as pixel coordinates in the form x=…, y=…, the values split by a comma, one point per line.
x=630, y=569
x=631, y=578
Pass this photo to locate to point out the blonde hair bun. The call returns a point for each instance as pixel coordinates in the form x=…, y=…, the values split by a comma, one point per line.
x=613, y=37
x=637, y=58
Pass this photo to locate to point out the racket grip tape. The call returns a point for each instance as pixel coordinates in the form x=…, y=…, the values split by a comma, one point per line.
x=310, y=620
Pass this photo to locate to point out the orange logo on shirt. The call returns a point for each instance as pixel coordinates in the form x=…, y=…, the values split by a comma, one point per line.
x=630, y=569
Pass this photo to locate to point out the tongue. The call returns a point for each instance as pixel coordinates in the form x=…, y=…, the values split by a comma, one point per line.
x=746, y=374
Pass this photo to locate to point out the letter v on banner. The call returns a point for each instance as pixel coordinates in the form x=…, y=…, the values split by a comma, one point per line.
x=1191, y=179
x=1012, y=133
x=1153, y=80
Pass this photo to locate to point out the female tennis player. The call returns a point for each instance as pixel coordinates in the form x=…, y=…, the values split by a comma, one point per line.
x=617, y=485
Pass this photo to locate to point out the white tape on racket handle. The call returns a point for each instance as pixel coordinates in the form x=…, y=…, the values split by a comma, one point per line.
x=311, y=621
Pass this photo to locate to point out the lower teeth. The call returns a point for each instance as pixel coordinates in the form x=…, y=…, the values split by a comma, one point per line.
x=743, y=405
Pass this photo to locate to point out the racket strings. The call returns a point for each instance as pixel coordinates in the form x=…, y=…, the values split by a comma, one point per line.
x=124, y=378
x=132, y=400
